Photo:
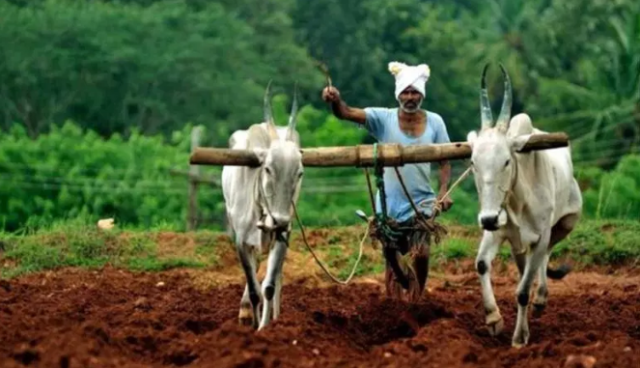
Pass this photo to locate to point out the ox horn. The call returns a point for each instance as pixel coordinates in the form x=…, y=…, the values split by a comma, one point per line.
x=293, y=116
x=268, y=113
x=505, y=111
x=485, y=106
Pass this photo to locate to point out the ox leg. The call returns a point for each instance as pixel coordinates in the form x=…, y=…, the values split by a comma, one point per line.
x=252, y=289
x=540, y=302
x=521, y=261
x=488, y=249
x=245, y=315
x=562, y=229
x=277, y=255
x=277, y=298
x=558, y=233
x=534, y=261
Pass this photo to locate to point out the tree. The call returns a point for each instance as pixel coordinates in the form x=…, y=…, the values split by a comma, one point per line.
x=160, y=65
x=599, y=101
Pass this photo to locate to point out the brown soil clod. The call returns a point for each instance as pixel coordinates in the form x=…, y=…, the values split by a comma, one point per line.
x=112, y=318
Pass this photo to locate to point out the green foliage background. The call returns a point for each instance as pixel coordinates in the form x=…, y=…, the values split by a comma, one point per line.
x=97, y=99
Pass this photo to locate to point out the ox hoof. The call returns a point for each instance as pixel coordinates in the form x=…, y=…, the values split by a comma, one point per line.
x=517, y=345
x=246, y=321
x=245, y=317
x=494, y=323
x=520, y=340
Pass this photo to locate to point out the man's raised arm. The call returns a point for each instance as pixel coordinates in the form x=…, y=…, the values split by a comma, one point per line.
x=340, y=109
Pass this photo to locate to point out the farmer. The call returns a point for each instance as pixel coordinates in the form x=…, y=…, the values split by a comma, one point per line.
x=409, y=124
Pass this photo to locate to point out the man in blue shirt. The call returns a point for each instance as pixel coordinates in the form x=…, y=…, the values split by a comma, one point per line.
x=408, y=124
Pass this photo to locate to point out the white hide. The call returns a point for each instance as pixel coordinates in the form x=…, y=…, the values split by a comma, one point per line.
x=239, y=188
x=544, y=204
x=245, y=210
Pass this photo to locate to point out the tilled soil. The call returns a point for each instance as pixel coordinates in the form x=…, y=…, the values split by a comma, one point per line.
x=113, y=318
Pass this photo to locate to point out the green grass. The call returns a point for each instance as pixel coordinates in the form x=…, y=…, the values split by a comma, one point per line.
x=152, y=263
x=595, y=242
x=603, y=243
x=78, y=243
x=343, y=258
x=453, y=249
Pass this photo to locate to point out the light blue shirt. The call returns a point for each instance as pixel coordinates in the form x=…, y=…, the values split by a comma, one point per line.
x=383, y=125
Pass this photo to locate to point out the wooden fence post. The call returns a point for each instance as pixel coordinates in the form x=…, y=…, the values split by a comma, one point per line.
x=194, y=174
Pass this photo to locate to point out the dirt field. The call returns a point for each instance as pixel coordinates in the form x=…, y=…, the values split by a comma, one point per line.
x=113, y=318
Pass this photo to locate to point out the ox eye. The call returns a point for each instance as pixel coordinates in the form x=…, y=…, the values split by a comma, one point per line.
x=267, y=170
x=507, y=163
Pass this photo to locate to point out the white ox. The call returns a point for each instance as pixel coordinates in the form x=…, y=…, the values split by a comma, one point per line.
x=530, y=199
x=259, y=207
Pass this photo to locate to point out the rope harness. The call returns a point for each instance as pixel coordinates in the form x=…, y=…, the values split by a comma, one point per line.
x=387, y=230
x=390, y=233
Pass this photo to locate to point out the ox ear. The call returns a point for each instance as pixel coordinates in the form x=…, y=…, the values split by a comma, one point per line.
x=471, y=137
x=261, y=153
x=517, y=143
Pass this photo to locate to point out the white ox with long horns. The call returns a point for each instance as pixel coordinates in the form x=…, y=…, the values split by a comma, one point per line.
x=259, y=208
x=531, y=199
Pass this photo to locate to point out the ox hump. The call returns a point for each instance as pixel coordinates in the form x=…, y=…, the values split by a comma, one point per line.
x=238, y=139
x=258, y=136
x=520, y=125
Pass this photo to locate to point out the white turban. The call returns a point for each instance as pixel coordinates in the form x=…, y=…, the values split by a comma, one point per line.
x=415, y=76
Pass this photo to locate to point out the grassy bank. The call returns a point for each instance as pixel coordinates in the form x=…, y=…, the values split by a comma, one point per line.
x=79, y=244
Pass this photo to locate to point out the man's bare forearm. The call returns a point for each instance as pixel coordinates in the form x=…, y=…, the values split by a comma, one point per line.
x=340, y=109
x=343, y=111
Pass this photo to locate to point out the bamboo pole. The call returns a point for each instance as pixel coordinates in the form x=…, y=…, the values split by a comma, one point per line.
x=362, y=155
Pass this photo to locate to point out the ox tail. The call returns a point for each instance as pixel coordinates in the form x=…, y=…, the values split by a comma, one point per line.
x=558, y=273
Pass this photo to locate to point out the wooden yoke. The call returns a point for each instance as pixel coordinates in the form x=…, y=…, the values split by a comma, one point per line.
x=362, y=155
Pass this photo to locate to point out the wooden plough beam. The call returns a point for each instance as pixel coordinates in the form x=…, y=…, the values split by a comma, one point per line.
x=362, y=155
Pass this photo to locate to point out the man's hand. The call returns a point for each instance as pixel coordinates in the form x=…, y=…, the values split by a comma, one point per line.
x=340, y=108
x=331, y=94
x=446, y=203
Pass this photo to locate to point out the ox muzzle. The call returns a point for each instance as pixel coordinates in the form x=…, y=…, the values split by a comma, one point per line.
x=492, y=220
x=277, y=222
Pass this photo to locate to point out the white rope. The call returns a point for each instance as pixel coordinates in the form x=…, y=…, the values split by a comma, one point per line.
x=333, y=278
x=462, y=176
